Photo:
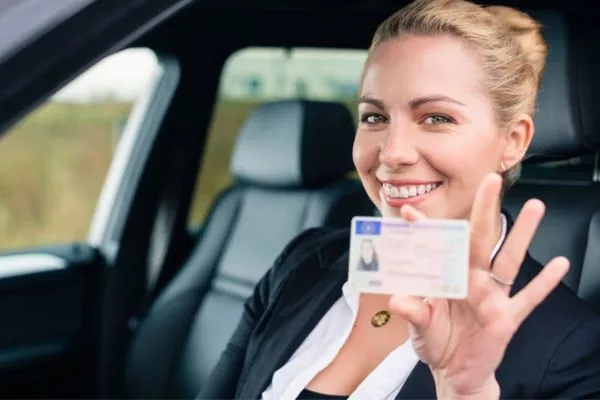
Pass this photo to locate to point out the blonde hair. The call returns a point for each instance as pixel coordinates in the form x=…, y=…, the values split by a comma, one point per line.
x=508, y=42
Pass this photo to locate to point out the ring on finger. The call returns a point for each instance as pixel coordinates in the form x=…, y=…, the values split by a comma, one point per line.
x=500, y=281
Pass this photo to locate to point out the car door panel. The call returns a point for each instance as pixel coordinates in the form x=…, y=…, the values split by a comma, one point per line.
x=49, y=309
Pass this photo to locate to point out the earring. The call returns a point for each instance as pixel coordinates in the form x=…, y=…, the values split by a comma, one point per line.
x=502, y=167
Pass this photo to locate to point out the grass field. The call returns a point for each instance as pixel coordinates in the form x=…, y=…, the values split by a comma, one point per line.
x=53, y=165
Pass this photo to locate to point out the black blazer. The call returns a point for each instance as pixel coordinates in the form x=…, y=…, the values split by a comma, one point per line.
x=554, y=354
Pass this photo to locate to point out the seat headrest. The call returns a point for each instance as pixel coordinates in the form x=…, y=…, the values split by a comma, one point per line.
x=295, y=143
x=565, y=122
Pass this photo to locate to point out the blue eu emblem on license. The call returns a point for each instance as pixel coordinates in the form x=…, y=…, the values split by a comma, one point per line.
x=368, y=227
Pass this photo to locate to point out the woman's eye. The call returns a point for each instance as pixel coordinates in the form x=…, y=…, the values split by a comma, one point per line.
x=372, y=119
x=437, y=120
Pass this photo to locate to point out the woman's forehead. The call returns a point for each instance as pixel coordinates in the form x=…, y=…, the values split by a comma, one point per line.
x=420, y=66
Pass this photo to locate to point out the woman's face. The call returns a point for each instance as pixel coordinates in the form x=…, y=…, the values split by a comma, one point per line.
x=367, y=251
x=427, y=129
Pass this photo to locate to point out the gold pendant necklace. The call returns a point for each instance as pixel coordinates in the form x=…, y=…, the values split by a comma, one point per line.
x=380, y=318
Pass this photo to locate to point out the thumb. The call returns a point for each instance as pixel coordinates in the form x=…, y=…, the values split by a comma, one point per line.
x=416, y=311
x=411, y=214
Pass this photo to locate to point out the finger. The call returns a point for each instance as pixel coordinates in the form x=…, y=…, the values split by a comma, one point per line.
x=411, y=214
x=509, y=259
x=479, y=287
x=524, y=302
x=484, y=214
x=415, y=310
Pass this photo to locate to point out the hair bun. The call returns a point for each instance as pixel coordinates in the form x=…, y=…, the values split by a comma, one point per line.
x=528, y=33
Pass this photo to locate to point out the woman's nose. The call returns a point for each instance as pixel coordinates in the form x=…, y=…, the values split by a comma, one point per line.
x=399, y=148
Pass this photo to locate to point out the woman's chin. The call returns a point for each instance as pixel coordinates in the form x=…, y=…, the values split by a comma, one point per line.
x=393, y=211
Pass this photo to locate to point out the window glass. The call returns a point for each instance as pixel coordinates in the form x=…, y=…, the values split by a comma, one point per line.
x=53, y=162
x=257, y=75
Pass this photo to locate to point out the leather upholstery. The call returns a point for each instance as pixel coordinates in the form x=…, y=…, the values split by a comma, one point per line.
x=565, y=227
x=284, y=186
x=300, y=140
x=572, y=196
x=563, y=130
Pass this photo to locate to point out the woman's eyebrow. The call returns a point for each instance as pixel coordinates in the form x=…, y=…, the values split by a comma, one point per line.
x=413, y=104
x=416, y=103
x=373, y=101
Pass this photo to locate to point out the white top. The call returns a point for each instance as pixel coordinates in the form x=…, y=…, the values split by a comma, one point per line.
x=327, y=338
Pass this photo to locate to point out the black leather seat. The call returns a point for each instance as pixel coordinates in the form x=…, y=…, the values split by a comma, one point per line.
x=290, y=164
x=562, y=168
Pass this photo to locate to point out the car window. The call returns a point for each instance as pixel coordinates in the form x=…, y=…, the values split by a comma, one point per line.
x=54, y=161
x=257, y=75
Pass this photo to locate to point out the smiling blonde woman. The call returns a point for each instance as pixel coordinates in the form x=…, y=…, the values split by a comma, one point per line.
x=445, y=118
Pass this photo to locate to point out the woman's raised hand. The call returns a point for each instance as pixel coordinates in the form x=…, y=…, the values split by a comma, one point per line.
x=463, y=341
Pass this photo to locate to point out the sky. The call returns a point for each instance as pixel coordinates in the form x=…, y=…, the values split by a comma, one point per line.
x=125, y=75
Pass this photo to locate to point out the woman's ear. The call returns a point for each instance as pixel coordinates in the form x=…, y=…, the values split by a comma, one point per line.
x=518, y=139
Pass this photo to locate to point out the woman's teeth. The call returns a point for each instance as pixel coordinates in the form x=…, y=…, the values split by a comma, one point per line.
x=407, y=191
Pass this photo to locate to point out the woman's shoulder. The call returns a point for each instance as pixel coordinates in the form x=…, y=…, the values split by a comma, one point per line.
x=560, y=313
x=311, y=249
x=563, y=301
x=560, y=338
x=324, y=244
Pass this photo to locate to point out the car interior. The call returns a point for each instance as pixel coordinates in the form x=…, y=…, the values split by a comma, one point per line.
x=142, y=303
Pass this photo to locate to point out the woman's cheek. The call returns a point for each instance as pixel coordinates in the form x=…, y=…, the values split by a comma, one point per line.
x=365, y=152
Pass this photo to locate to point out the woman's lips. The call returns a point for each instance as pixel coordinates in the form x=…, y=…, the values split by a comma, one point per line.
x=399, y=193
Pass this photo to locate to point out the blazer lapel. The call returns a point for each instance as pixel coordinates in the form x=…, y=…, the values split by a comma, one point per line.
x=419, y=385
x=311, y=293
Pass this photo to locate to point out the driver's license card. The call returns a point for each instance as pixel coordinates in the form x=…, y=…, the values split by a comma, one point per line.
x=428, y=258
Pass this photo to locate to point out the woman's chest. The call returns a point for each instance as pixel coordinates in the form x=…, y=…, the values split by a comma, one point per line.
x=369, y=346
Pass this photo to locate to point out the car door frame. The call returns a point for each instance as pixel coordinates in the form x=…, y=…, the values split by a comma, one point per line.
x=123, y=221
